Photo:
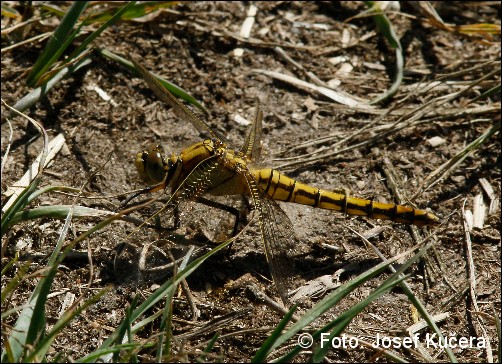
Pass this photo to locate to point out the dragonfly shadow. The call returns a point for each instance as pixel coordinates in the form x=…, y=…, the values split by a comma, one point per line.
x=227, y=266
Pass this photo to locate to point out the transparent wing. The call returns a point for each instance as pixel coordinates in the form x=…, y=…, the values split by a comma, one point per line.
x=178, y=108
x=196, y=183
x=252, y=146
x=193, y=186
x=278, y=237
x=128, y=261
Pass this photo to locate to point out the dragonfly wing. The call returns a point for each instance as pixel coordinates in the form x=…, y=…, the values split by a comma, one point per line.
x=278, y=237
x=197, y=182
x=193, y=186
x=178, y=108
x=252, y=146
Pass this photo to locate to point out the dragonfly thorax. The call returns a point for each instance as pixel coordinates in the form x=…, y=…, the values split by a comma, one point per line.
x=154, y=167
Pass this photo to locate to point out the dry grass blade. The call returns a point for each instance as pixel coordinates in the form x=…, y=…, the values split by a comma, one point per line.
x=5, y=157
x=39, y=37
x=415, y=300
x=21, y=200
x=333, y=95
x=14, y=191
x=407, y=120
x=478, y=322
x=492, y=197
x=216, y=324
x=448, y=167
x=299, y=67
x=483, y=29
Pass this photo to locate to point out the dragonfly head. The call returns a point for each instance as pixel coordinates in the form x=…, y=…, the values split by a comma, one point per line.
x=154, y=167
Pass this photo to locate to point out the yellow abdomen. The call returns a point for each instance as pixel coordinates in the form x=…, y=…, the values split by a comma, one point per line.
x=282, y=188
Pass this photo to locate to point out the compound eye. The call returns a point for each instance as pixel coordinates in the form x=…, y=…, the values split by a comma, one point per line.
x=150, y=164
x=154, y=165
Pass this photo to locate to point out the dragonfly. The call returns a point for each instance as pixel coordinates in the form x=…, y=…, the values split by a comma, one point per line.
x=209, y=167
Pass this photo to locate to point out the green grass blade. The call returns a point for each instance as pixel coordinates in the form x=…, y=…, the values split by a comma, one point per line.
x=53, y=9
x=34, y=96
x=16, y=341
x=6, y=268
x=164, y=343
x=43, y=346
x=449, y=166
x=385, y=27
x=57, y=212
x=98, y=355
x=47, y=189
x=133, y=12
x=156, y=297
x=344, y=290
x=167, y=316
x=98, y=32
x=174, y=89
x=19, y=204
x=31, y=320
x=488, y=93
x=14, y=282
x=384, y=24
x=202, y=357
x=21, y=200
x=265, y=349
x=58, y=42
x=428, y=318
x=9, y=12
x=37, y=325
x=81, y=50
x=338, y=325
x=126, y=329
x=29, y=327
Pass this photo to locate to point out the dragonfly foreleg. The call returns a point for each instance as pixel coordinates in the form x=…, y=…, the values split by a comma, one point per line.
x=143, y=191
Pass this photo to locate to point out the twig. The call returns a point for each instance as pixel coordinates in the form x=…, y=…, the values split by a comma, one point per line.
x=479, y=324
x=262, y=297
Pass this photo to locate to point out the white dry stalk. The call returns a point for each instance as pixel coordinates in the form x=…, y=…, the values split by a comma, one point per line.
x=102, y=93
x=331, y=94
x=490, y=193
x=241, y=120
x=478, y=212
x=54, y=147
x=246, y=27
x=469, y=220
x=422, y=324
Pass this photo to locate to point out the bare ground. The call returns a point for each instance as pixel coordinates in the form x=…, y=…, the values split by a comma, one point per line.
x=194, y=48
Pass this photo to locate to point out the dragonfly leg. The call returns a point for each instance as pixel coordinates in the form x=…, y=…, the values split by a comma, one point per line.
x=229, y=209
x=142, y=192
x=177, y=220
